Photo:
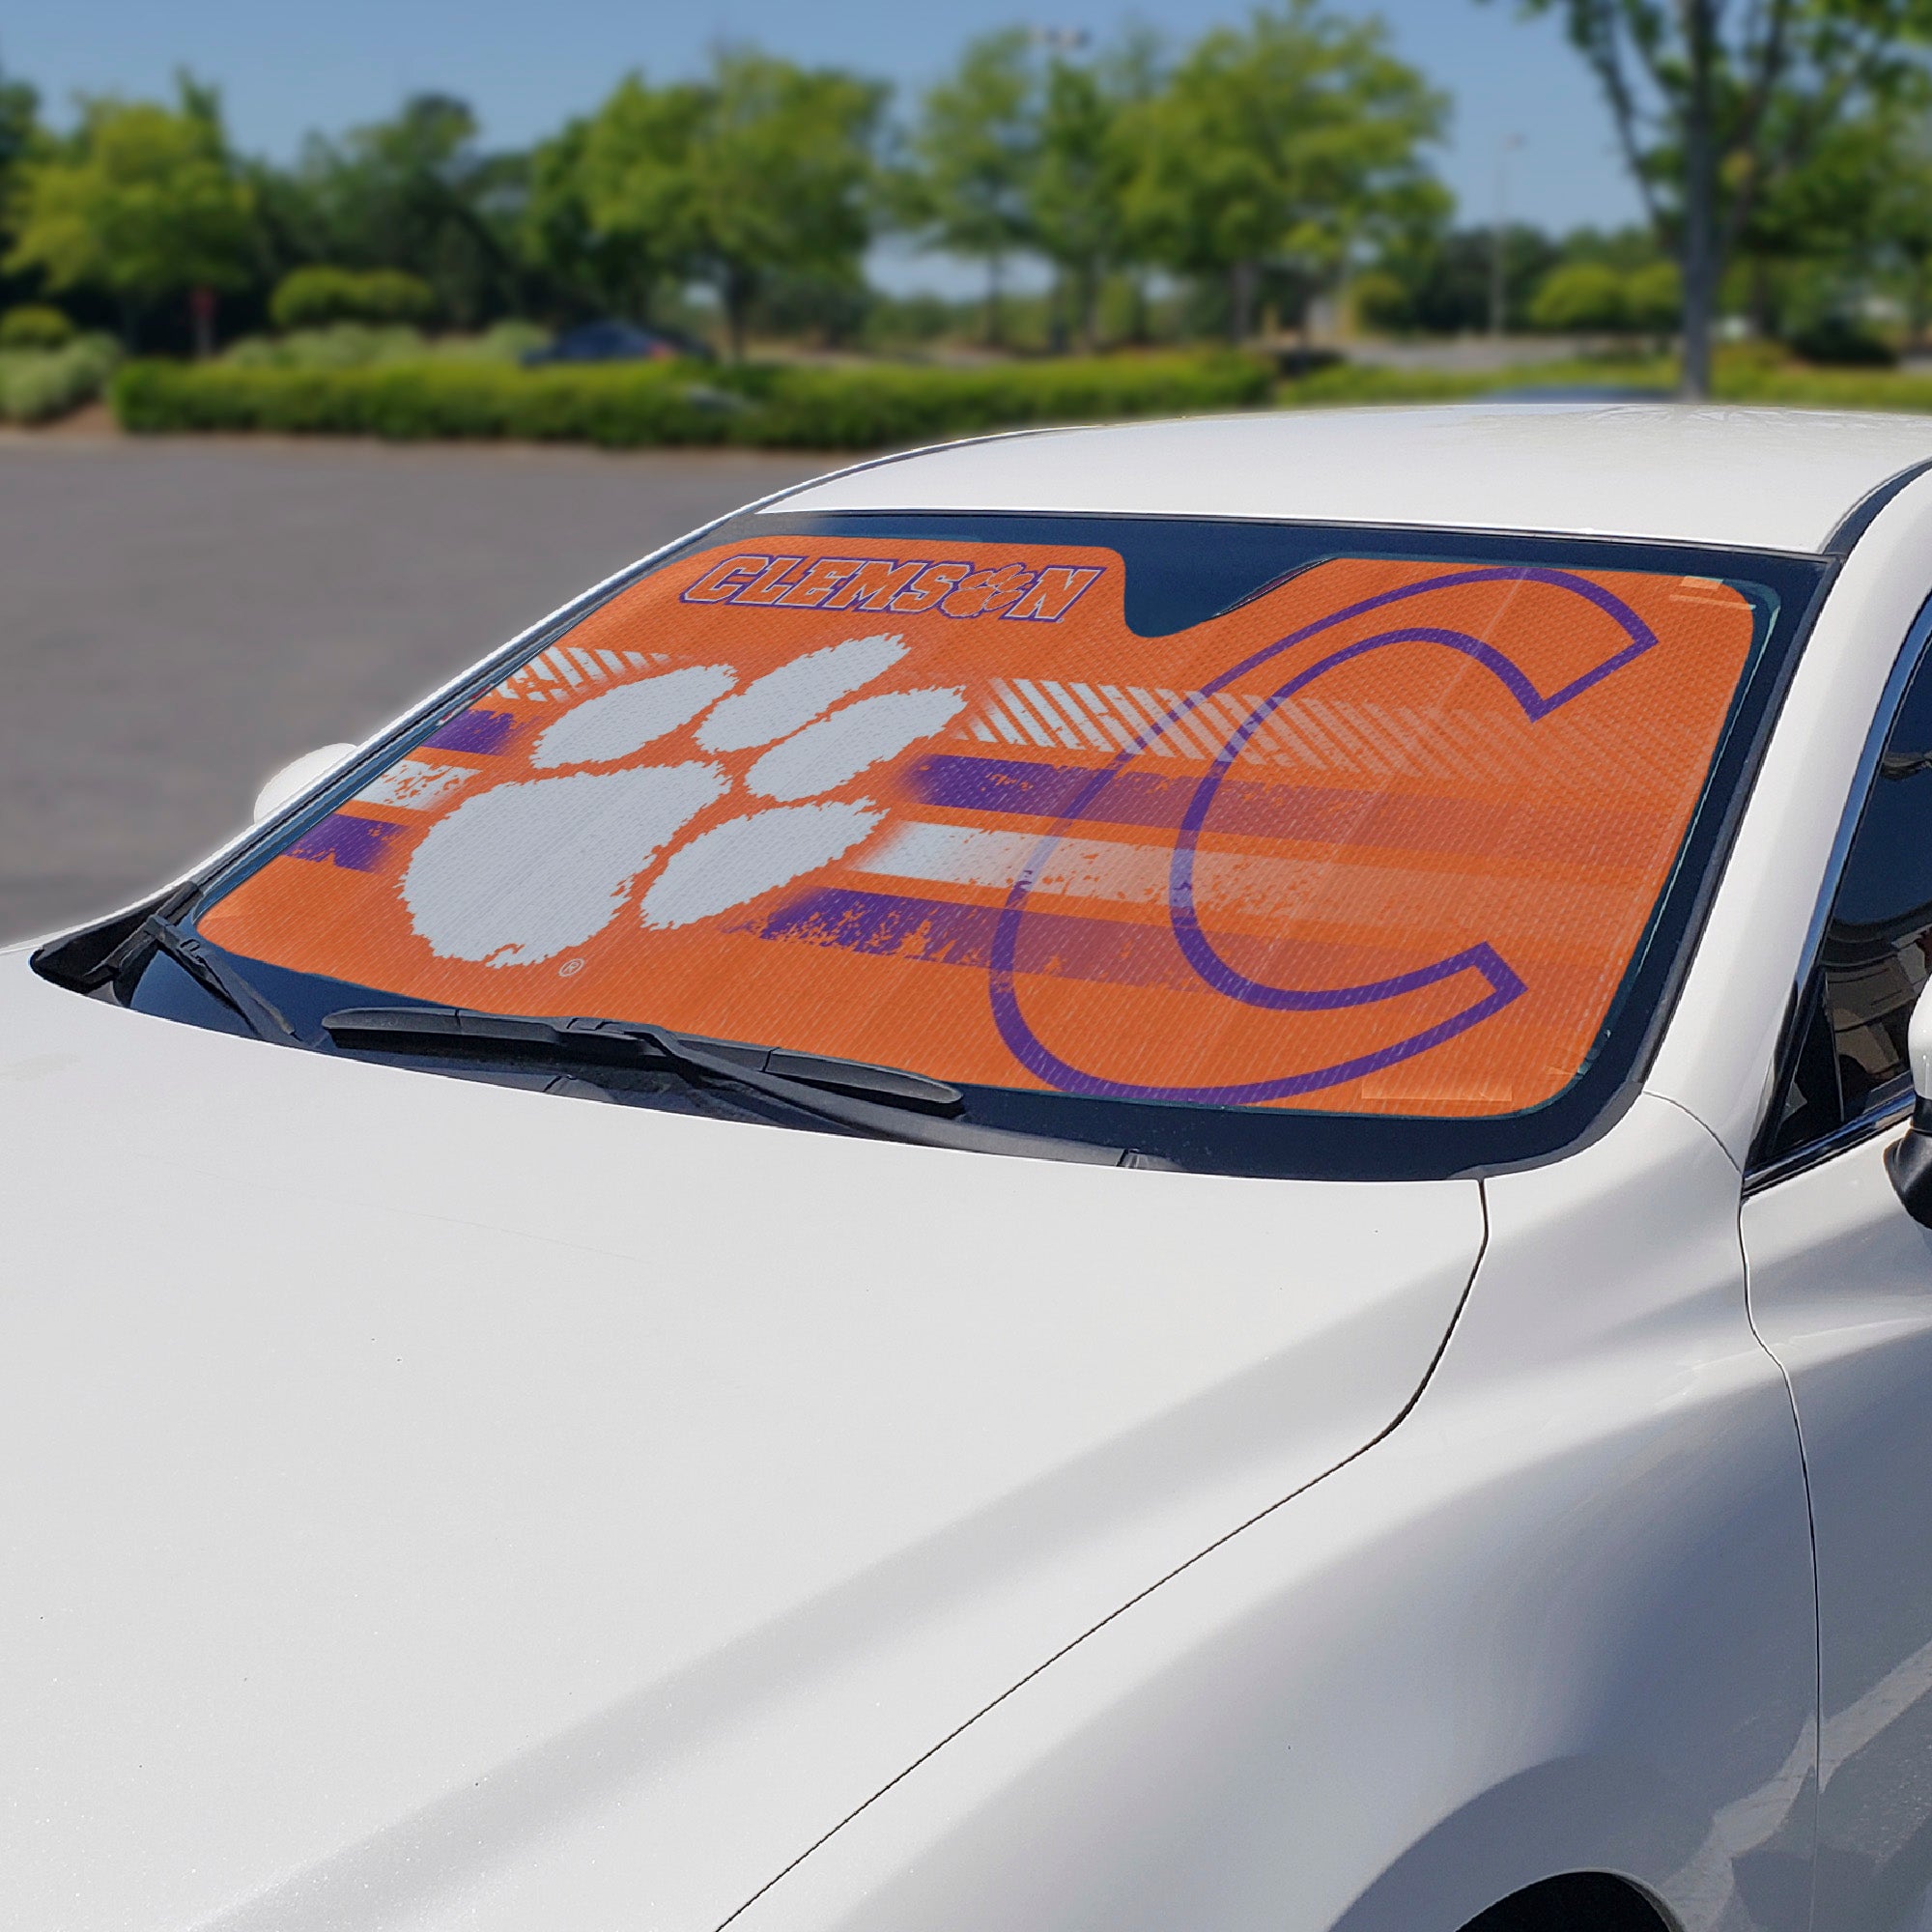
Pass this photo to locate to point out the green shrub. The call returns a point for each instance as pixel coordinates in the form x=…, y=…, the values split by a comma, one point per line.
x=361, y=345
x=631, y=405
x=1580, y=296
x=314, y=297
x=1381, y=300
x=507, y=341
x=341, y=344
x=1355, y=383
x=1654, y=297
x=34, y=325
x=1842, y=342
x=1798, y=388
x=39, y=385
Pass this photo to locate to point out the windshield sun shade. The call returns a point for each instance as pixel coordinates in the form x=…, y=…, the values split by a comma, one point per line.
x=1383, y=839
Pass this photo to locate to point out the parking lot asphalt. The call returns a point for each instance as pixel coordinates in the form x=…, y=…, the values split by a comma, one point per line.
x=178, y=618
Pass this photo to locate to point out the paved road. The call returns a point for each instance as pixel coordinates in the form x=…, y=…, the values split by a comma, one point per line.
x=177, y=619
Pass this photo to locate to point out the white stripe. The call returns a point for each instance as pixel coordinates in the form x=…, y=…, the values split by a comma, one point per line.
x=1020, y=715
x=1142, y=728
x=1121, y=736
x=1043, y=710
x=416, y=785
x=1071, y=708
x=1411, y=907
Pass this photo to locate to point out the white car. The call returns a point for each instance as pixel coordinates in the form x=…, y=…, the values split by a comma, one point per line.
x=1121, y=1181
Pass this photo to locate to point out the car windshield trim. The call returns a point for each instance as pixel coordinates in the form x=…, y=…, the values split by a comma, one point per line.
x=1253, y=1141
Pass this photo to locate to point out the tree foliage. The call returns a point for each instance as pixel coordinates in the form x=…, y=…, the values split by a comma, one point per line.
x=317, y=297
x=763, y=169
x=1720, y=104
x=972, y=152
x=1291, y=138
x=418, y=193
x=142, y=201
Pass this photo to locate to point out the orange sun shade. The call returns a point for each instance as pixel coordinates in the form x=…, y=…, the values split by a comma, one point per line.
x=1381, y=840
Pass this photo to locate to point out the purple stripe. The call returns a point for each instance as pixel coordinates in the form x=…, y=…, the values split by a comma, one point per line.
x=943, y=932
x=484, y=731
x=1315, y=815
x=357, y=844
x=1062, y=945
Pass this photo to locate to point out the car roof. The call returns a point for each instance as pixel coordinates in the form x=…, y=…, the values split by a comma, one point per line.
x=1773, y=480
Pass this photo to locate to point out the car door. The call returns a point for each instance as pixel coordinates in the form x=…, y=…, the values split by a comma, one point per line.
x=1840, y=1287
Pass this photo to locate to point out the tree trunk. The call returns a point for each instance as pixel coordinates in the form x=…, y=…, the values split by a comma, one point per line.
x=995, y=329
x=201, y=311
x=1763, y=322
x=1700, y=237
x=737, y=310
x=1242, y=279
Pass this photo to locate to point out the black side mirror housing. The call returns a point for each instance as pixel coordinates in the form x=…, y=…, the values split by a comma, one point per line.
x=1908, y=1161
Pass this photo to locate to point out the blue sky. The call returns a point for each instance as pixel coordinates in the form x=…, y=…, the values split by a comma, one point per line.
x=525, y=67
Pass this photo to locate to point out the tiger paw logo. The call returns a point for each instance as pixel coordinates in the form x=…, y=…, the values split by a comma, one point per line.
x=734, y=802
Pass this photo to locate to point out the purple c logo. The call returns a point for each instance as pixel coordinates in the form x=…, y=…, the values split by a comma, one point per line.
x=1501, y=982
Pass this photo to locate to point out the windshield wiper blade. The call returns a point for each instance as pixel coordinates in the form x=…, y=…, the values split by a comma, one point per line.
x=204, y=965
x=886, y=1101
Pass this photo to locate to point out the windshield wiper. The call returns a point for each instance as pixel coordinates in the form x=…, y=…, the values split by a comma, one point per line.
x=886, y=1101
x=204, y=965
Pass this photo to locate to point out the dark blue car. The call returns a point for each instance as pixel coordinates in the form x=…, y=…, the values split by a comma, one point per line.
x=618, y=342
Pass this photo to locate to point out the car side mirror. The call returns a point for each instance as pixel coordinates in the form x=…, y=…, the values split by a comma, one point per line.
x=295, y=777
x=1908, y=1161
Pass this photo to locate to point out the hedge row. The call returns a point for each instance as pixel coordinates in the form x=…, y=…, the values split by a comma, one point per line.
x=1829, y=388
x=629, y=406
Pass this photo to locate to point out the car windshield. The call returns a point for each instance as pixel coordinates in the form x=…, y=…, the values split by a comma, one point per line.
x=1219, y=839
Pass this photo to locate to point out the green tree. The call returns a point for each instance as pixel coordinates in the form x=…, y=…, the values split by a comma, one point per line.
x=1716, y=107
x=415, y=192
x=1283, y=142
x=1443, y=277
x=1076, y=192
x=1581, y=296
x=612, y=199
x=762, y=170
x=21, y=136
x=780, y=176
x=1079, y=215
x=1901, y=215
x=142, y=201
x=1654, y=297
x=20, y=132
x=973, y=153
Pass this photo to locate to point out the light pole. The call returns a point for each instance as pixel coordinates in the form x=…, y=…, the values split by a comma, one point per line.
x=1499, y=234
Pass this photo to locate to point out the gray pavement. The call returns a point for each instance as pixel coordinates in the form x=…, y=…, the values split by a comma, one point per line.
x=177, y=618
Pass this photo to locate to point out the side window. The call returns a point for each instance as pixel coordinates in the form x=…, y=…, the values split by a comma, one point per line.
x=1849, y=1057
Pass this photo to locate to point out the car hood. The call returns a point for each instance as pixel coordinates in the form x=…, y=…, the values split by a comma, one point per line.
x=430, y=1503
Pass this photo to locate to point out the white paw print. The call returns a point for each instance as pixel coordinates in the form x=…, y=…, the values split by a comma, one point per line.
x=526, y=870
